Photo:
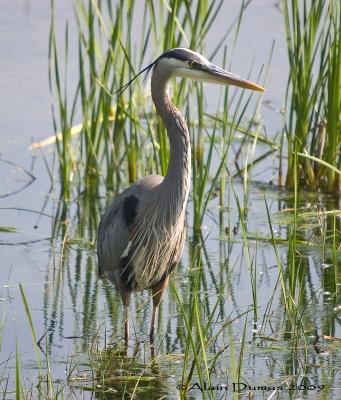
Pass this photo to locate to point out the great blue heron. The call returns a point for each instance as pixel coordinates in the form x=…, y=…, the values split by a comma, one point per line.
x=141, y=235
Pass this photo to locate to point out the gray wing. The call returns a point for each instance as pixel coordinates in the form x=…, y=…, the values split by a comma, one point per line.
x=117, y=224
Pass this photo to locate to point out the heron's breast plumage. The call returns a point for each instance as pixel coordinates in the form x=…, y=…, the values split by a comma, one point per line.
x=155, y=244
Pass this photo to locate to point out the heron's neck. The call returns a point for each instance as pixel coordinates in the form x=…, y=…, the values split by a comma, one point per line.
x=176, y=184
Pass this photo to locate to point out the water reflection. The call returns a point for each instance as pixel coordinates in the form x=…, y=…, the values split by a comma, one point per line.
x=220, y=281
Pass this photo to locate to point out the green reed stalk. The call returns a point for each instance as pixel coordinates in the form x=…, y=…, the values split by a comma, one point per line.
x=64, y=148
x=313, y=38
x=251, y=265
x=191, y=344
x=333, y=106
x=2, y=327
x=303, y=43
x=30, y=323
x=281, y=271
x=203, y=331
x=17, y=373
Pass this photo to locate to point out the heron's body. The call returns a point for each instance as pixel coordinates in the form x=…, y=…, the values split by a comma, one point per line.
x=142, y=233
x=141, y=259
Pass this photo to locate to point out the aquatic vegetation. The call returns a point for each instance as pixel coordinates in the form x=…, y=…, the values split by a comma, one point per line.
x=313, y=124
x=119, y=128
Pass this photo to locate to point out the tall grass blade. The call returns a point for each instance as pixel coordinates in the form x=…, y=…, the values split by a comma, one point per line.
x=31, y=326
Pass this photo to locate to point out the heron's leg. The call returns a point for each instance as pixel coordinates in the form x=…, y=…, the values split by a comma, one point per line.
x=158, y=291
x=125, y=296
x=126, y=325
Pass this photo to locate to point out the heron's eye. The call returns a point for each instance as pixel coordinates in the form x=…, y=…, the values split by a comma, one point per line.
x=193, y=64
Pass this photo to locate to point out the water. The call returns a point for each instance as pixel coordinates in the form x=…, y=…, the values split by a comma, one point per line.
x=73, y=310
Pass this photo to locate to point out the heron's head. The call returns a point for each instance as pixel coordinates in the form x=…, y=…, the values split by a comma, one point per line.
x=185, y=63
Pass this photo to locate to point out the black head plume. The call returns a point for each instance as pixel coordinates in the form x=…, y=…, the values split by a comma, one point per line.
x=124, y=87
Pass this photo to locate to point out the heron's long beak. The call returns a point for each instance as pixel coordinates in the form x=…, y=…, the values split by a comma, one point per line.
x=219, y=75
